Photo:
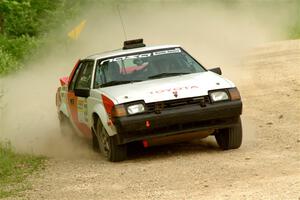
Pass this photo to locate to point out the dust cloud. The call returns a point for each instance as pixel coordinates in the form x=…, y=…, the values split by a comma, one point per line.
x=217, y=34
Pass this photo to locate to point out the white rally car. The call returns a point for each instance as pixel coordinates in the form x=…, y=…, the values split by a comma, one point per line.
x=153, y=95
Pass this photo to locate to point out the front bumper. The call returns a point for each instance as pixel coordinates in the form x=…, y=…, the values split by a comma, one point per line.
x=177, y=121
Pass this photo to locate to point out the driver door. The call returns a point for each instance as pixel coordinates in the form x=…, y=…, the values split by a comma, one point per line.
x=77, y=103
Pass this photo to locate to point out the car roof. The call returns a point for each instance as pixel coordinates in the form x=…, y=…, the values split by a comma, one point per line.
x=119, y=52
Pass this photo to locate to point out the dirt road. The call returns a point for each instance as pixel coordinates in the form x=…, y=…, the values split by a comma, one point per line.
x=267, y=166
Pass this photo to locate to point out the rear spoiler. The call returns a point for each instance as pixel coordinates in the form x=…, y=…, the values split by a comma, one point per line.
x=64, y=80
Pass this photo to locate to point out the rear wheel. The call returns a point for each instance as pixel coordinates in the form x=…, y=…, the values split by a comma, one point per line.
x=65, y=125
x=230, y=138
x=108, y=146
x=95, y=143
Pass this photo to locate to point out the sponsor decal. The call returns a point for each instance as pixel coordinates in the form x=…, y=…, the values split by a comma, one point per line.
x=175, y=93
x=143, y=55
x=176, y=89
x=82, y=110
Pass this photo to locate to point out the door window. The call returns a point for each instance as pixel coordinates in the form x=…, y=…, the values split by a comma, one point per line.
x=84, y=78
x=72, y=84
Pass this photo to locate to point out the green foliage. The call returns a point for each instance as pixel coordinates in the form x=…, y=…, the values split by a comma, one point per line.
x=294, y=30
x=18, y=18
x=11, y=50
x=19, y=47
x=25, y=25
x=33, y=17
x=7, y=62
x=14, y=168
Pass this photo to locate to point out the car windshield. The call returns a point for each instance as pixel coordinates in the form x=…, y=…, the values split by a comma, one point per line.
x=144, y=66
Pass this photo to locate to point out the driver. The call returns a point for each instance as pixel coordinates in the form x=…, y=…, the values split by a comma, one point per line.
x=113, y=72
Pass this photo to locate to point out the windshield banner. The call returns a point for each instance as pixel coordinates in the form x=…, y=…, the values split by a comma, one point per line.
x=143, y=55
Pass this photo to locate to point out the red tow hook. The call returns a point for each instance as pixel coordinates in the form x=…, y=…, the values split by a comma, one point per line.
x=148, y=124
x=145, y=143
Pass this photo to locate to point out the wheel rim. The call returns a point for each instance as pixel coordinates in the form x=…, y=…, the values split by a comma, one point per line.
x=104, y=142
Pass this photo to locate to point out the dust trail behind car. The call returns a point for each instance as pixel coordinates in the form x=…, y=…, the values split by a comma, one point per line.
x=218, y=33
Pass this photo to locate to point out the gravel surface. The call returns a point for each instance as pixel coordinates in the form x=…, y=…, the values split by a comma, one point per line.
x=267, y=166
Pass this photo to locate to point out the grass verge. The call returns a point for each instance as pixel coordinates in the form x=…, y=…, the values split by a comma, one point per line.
x=14, y=169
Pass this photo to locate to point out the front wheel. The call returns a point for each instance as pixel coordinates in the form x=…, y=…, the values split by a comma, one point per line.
x=230, y=138
x=108, y=146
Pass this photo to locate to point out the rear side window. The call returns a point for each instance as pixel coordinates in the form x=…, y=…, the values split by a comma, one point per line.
x=72, y=84
x=83, y=76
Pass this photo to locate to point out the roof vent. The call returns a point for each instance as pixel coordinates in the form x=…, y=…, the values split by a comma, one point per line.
x=131, y=44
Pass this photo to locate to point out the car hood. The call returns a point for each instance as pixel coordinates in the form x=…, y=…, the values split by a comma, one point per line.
x=183, y=86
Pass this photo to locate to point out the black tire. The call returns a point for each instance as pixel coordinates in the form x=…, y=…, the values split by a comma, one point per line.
x=230, y=138
x=95, y=143
x=108, y=146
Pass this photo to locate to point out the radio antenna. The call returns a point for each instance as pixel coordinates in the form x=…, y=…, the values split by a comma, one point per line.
x=122, y=23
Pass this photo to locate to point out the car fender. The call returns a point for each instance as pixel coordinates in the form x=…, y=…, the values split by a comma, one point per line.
x=98, y=109
x=63, y=109
x=61, y=100
x=231, y=84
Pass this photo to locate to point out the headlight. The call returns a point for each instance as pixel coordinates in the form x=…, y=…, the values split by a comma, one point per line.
x=136, y=108
x=219, y=96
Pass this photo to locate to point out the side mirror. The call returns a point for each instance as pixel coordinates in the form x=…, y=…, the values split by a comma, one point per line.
x=216, y=70
x=82, y=92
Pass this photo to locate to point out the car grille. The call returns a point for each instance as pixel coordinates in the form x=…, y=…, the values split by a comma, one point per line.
x=157, y=107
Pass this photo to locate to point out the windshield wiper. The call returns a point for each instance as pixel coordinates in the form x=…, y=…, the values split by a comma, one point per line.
x=111, y=83
x=167, y=74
